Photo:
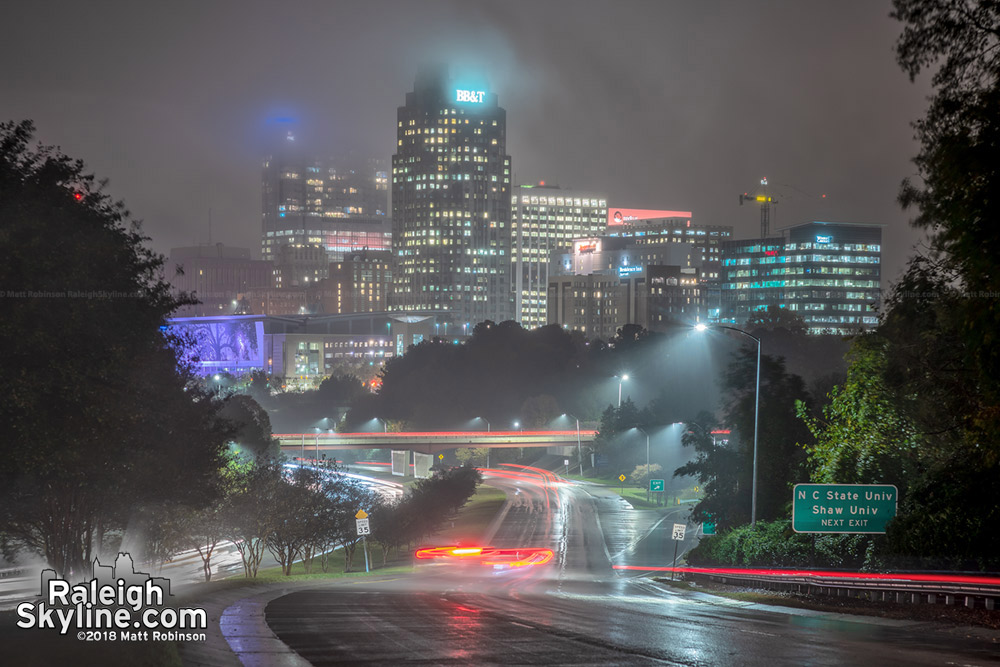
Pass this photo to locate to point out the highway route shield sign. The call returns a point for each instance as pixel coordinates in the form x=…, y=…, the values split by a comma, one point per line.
x=678, y=533
x=656, y=485
x=363, y=528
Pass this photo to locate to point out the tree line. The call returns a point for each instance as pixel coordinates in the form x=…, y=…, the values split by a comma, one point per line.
x=920, y=404
x=305, y=513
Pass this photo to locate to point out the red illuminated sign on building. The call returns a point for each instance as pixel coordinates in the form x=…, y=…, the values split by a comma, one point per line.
x=587, y=246
x=619, y=216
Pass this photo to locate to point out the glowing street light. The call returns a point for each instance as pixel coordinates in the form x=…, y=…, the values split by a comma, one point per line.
x=487, y=423
x=385, y=424
x=620, y=380
x=756, y=414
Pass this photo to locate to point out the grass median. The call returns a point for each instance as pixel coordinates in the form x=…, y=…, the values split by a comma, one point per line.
x=637, y=495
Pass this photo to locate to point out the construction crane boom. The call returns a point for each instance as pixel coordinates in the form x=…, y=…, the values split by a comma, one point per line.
x=761, y=196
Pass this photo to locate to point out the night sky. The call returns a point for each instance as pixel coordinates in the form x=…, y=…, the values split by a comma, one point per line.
x=659, y=104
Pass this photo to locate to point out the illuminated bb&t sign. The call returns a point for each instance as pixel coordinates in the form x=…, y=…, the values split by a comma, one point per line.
x=474, y=96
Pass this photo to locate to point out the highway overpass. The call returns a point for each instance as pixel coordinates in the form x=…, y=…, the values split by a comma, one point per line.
x=430, y=442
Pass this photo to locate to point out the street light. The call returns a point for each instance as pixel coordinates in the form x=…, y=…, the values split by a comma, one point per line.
x=641, y=430
x=579, y=452
x=756, y=414
x=385, y=424
x=487, y=449
x=620, y=380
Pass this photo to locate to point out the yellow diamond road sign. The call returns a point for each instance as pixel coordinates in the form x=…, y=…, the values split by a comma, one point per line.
x=621, y=478
x=361, y=515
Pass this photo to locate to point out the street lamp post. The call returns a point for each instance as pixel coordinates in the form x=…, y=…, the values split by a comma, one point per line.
x=579, y=450
x=385, y=424
x=756, y=416
x=643, y=431
x=487, y=449
x=620, y=380
x=517, y=425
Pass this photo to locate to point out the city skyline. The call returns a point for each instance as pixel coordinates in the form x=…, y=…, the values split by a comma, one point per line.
x=823, y=109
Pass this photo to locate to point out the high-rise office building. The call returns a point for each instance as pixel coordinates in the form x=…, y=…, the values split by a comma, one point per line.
x=451, y=201
x=650, y=230
x=545, y=219
x=828, y=273
x=220, y=276
x=340, y=204
x=357, y=284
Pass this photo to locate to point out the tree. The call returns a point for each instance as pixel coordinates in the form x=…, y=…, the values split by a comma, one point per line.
x=719, y=468
x=303, y=505
x=471, y=455
x=340, y=390
x=959, y=170
x=643, y=473
x=726, y=471
x=861, y=437
x=539, y=411
x=260, y=386
x=250, y=513
x=252, y=425
x=116, y=425
x=774, y=317
x=780, y=458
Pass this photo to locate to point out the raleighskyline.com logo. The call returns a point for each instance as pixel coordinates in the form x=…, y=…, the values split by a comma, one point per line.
x=116, y=604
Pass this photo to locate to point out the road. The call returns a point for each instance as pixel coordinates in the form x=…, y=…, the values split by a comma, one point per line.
x=577, y=610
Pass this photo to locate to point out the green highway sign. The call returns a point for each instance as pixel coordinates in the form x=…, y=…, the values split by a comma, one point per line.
x=656, y=485
x=843, y=508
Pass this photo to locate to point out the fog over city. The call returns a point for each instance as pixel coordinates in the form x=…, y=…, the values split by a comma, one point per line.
x=660, y=105
x=484, y=332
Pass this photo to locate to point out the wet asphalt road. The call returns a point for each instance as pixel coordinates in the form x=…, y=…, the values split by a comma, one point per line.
x=577, y=610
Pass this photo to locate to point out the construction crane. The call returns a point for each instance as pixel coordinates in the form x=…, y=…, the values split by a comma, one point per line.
x=761, y=195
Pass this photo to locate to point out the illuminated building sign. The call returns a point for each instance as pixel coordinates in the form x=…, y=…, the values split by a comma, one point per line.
x=823, y=239
x=587, y=246
x=628, y=270
x=619, y=216
x=474, y=96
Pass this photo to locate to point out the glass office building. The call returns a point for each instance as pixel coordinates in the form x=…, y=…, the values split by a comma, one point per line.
x=828, y=273
x=451, y=201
